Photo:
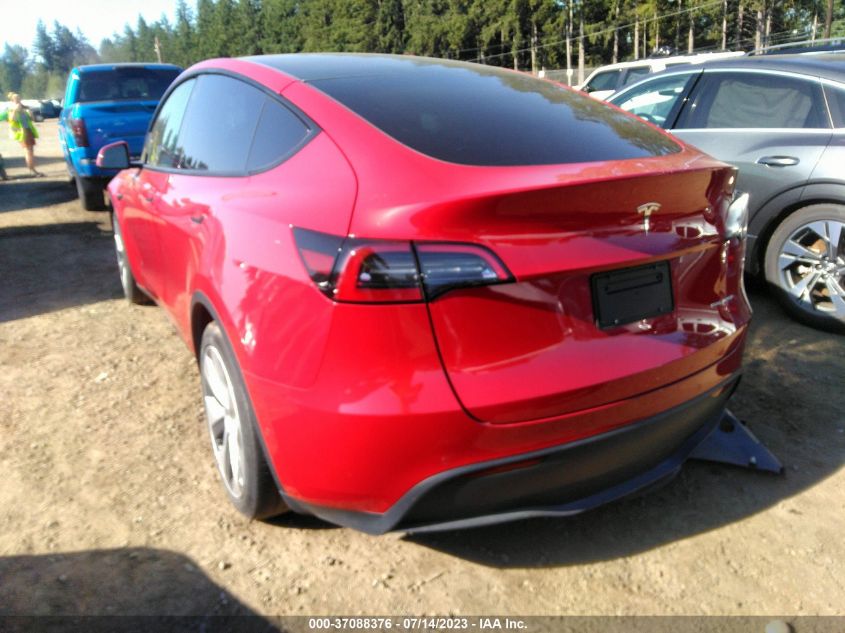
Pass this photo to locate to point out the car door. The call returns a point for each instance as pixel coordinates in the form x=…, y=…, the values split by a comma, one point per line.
x=773, y=126
x=147, y=189
x=231, y=129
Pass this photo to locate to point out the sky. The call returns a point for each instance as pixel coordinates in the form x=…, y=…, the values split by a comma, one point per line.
x=96, y=19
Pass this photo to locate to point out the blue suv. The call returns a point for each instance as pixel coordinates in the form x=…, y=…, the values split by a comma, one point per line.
x=105, y=103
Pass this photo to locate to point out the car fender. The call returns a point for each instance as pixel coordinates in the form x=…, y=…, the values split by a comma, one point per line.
x=206, y=297
x=768, y=216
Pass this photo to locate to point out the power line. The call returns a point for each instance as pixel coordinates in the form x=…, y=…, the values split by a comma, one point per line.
x=596, y=33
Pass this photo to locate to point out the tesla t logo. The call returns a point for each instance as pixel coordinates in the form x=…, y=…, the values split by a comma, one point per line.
x=646, y=210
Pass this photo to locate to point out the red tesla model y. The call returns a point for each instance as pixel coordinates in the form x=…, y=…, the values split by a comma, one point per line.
x=428, y=294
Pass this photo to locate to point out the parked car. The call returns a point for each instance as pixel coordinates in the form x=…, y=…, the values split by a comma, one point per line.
x=606, y=80
x=781, y=121
x=429, y=293
x=49, y=110
x=806, y=47
x=34, y=107
x=104, y=103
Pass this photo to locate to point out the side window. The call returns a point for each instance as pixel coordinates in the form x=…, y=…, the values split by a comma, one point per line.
x=634, y=74
x=220, y=125
x=657, y=99
x=279, y=133
x=603, y=81
x=836, y=101
x=162, y=145
x=750, y=100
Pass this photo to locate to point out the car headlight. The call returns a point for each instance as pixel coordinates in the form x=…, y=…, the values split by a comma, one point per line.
x=736, y=222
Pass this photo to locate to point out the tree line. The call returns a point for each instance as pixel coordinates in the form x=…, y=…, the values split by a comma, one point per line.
x=522, y=34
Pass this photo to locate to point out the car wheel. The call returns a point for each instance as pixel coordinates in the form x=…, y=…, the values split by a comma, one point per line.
x=233, y=431
x=131, y=290
x=90, y=193
x=805, y=264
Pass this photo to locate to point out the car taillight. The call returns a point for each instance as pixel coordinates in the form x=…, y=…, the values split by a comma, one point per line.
x=385, y=271
x=79, y=131
x=448, y=266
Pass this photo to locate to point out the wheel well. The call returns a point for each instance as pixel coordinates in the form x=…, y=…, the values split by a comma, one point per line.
x=200, y=318
x=766, y=235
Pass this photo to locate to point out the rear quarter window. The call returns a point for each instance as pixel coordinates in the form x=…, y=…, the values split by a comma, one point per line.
x=279, y=134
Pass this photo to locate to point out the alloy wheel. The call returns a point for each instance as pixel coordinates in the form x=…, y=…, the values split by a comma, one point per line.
x=224, y=420
x=811, y=266
x=122, y=263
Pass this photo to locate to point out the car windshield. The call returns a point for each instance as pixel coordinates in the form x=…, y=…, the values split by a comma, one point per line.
x=125, y=84
x=478, y=115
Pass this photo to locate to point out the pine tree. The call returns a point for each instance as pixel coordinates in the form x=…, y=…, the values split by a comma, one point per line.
x=184, y=36
x=390, y=26
x=247, y=28
x=281, y=26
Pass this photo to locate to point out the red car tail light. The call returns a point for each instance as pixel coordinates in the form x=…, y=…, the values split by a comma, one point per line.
x=80, y=132
x=448, y=266
x=385, y=271
x=377, y=272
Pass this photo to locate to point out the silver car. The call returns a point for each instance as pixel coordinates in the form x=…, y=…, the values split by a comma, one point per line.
x=781, y=121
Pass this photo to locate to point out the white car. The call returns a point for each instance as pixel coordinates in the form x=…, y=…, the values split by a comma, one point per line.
x=606, y=80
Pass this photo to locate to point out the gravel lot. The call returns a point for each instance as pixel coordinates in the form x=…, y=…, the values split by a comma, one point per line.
x=110, y=501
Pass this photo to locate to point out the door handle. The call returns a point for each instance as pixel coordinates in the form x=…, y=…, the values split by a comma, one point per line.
x=148, y=198
x=197, y=219
x=778, y=161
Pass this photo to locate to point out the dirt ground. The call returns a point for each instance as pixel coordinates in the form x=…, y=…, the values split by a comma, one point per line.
x=110, y=502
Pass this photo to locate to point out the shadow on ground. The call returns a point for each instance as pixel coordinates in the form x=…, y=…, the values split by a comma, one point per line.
x=49, y=267
x=14, y=160
x=23, y=191
x=805, y=431
x=49, y=591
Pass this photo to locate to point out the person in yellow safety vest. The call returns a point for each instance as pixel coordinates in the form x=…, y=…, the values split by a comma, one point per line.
x=22, y=129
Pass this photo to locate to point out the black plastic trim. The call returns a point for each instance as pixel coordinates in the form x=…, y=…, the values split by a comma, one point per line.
x=375, y=523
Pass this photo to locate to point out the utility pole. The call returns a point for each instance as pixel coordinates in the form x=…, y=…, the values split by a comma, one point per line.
x=157, y=47
x=636, y=37
x=828, y=20
x=581, y=46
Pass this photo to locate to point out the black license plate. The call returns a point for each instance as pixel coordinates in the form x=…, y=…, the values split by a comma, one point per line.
x=628, y=295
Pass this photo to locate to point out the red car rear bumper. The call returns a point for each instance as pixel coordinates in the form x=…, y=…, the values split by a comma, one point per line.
x=356, y=455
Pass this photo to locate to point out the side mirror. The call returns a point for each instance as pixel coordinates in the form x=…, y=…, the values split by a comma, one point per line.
x=114, y=156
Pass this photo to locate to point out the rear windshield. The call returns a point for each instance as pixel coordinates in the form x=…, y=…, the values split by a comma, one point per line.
x=125, y=84
x=478, y=115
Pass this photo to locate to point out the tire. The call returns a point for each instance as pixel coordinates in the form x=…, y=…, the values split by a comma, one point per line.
x=806, y=271
x=232, y=428
x=90, y=191
x=131, y=290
